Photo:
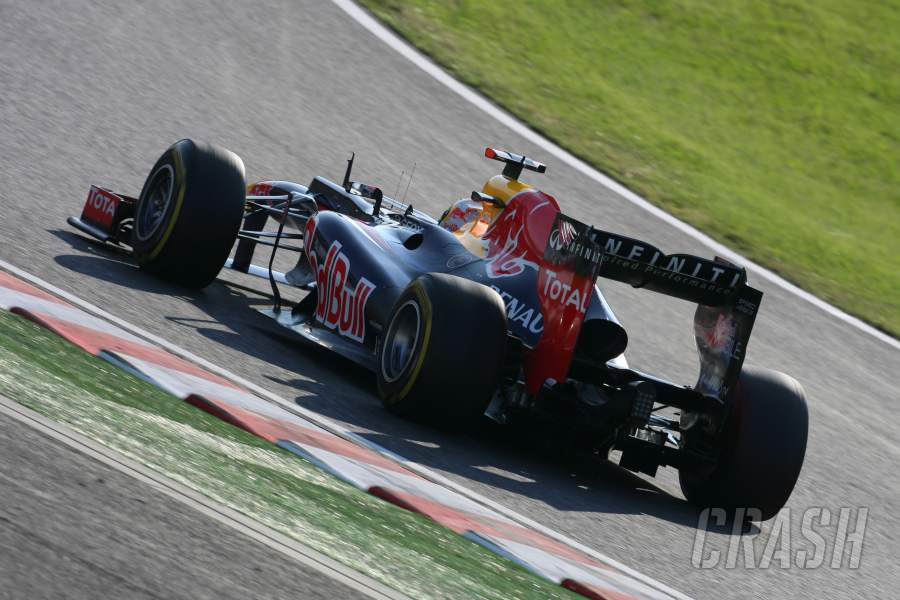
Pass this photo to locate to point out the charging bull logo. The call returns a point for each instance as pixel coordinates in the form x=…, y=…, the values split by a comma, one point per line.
x=339, y=306
x=506, y=256
x=515, y=240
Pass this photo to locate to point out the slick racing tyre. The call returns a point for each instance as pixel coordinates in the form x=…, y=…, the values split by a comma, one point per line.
x=442, y=352
x=189, y=213
x=762, y=447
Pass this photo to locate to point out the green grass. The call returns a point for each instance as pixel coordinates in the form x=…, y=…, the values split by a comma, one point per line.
x=773, y=126
x=288, y=494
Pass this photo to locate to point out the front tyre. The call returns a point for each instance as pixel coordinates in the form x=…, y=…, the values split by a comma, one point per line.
x=762, y=447
x=189, y=213
x=441, y=354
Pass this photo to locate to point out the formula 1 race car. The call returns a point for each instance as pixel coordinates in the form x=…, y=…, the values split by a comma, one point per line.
x=491, y=311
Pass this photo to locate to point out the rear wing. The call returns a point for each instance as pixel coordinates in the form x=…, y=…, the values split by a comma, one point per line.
x=576, y=254
x=642, y=265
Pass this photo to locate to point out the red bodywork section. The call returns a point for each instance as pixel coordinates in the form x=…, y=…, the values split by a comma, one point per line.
x=516, y=240
x=521, y=239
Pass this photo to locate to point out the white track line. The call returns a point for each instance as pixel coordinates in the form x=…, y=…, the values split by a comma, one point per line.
x=233, y=519
x=337, y=429
x=362, y=17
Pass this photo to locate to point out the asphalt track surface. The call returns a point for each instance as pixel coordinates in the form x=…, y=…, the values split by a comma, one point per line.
x=72, y=527
x=93, y=92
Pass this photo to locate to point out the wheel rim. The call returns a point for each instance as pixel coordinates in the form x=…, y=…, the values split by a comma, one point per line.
x=155, y=205
x=400, y=341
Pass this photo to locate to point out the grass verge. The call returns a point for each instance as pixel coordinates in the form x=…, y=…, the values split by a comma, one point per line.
x=772, y=126
x=286, y=493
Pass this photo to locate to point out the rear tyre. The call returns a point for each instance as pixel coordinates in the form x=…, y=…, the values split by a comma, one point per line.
x=189, y=213
x=442, y=352
x=763, y=446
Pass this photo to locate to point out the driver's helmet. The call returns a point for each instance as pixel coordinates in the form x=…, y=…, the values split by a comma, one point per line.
x=467, y=216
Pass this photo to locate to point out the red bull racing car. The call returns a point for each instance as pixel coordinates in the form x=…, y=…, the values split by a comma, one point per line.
x=491, y=311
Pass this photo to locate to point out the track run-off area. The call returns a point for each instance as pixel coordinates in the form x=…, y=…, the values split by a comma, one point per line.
x=92, y=94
